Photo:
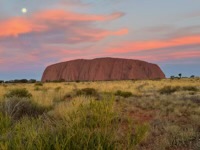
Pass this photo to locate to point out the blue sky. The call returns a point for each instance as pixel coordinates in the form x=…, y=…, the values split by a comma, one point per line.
x=163, y=32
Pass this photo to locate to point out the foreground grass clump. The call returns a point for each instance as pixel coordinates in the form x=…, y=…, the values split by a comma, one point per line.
x=87, y=92
x=123, y=94
x=169, y=89
x=38, y=84
x=190, y=88
x=90, y=125
x=16, y=108
x=5, y=123
x=22, y=93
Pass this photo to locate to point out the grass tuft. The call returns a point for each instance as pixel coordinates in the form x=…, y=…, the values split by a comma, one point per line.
x=87, y=92
x=21, y=92
x=17, y=108
x=169, y=89
x=39, y=84
x=124, y=94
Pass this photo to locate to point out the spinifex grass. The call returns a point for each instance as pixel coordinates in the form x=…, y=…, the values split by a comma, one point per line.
x=147, y=119
x=91, y=125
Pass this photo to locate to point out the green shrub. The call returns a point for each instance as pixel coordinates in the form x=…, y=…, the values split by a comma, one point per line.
x=5, y=123
x=22, y=93
x=179, y=136
x=124, y=94
x=189, y=88
x=141, y=131
x=87, y=92
x=32, y=81
x=67, y=96
x=169, y=89
x=37, y=89
x=192, y=76
x=172, y=77
x=39, y=84
x=57, y=89
x=4, y=85
x=17, y=108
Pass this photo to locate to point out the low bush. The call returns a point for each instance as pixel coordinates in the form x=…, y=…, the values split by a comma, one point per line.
x=37, y=89
x=17, y=108
x=195, y=99
x=39, y=84
x=32, y=81
x=22, y=93
x=178, y=136
x=67, y=96
x=124, y=94
x=57, y=89
x=87, y=92
x=141, y=131
x=4, y=85
x=169, y=89
x=190, y=88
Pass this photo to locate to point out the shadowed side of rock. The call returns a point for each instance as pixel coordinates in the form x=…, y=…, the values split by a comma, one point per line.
x=102, y=69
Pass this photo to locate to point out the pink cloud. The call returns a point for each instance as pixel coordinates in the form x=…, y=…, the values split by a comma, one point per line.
x=14, y=27
x=92, y=34
x=43, y=21
x=153, y=44
x=166, y=57
x=58, y=15
x=187, y=54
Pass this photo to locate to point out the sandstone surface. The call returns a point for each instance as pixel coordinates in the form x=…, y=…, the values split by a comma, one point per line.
x=102, y=69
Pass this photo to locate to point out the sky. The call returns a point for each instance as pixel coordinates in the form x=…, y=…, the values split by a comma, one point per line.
x=50, y=31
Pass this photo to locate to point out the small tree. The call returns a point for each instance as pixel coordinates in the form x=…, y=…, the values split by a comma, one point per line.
x=1, y=81
x=180, y=75
x=23, y=81
x=192, y=76
x=32, y=81
x=172, y=77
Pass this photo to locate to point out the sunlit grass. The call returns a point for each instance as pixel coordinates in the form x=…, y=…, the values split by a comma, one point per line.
x=90, y=115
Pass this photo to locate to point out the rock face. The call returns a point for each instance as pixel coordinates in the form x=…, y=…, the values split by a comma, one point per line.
x=101, y=69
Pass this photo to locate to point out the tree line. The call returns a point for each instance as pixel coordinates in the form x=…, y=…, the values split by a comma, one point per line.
x=180, y=76
x=19, y=81
x=62, y=80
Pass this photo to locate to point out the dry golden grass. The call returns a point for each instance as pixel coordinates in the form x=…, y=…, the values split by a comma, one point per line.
x=149, y=119
x=46, y=93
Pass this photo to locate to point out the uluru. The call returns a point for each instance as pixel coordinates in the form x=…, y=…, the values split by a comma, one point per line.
x=102, y=69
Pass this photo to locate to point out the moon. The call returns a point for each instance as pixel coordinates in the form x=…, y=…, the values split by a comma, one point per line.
x=24, y=10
